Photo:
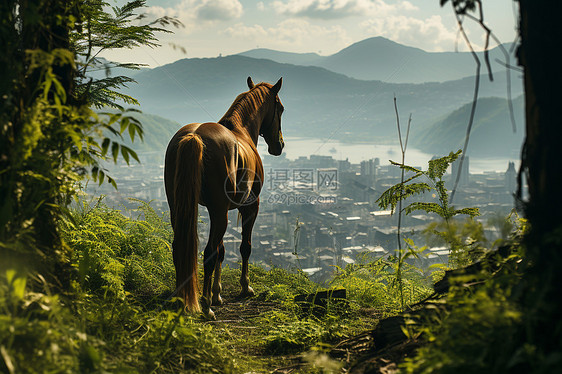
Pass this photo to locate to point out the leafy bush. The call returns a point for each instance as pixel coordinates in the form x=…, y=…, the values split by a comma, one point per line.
x=34, y=325
x=288, y=333
x=293, y=337
x=465, y=239
x=116, y=253
x=376, y=284
x=107, y=322
x=118, y=315
x=472, y=331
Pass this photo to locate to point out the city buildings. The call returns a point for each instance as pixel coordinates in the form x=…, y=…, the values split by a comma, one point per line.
x=317, y=212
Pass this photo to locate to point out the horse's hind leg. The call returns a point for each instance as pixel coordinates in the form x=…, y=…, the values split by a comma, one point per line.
x=219, y=221
x=249, y=214
x=217, y=288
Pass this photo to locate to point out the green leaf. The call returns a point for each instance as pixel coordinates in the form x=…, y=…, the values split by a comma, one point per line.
x=84, y=265
x=113, y=117
x=17, y=284
x=112, y=182
x=131, y=153
x=95, y=170
x=101, y=176
x=115, y=151
x=76, y=139
x=125, y=154
x=105, y=146
x=124, y=124
x=10, y=275
x=59, y=90
x=47, y=86
x=132, y=130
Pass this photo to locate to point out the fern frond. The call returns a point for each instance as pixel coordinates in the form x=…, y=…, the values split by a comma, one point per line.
x=472, y=212
x=438, y=166
x=400, y=191
x=426, y=207
x=406, y=167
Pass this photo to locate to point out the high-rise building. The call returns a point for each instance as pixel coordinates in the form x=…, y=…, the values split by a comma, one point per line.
x=511, y=178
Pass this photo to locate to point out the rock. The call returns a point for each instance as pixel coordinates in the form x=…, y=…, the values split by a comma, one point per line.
x=317, y=303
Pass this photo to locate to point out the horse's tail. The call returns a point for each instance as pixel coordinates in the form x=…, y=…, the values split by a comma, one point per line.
x=187, y=187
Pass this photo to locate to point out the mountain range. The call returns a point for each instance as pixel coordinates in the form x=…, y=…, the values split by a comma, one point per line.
x=318, y=102
x=382, y=59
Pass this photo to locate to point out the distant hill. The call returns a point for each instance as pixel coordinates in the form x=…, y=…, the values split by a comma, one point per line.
x=306, y=59
x=384, y=60
x=157, y=132
x=491, y=135
x=319, y=103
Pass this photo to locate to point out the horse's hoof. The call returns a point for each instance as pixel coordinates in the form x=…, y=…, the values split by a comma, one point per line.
x=247, y=293
x=209, y=315
x=217, y=301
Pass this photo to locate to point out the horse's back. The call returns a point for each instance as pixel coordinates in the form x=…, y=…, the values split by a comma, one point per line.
x=214, y=135
x=223, y=154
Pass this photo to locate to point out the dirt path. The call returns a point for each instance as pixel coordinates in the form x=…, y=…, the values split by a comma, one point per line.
x=239, y=320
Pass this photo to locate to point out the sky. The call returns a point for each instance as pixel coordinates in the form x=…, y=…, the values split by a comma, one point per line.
x=225, y=27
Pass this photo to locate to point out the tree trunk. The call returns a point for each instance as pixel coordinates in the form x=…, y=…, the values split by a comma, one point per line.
x=540, y=39
x=29, y=211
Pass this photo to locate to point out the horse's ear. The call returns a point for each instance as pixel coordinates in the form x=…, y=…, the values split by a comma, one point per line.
x=275, y=89
x=250, y=83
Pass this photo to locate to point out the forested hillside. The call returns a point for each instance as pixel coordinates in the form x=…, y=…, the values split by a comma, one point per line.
x=318, y=100
x=492, y=134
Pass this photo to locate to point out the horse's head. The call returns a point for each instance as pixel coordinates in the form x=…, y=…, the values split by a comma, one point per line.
x=270, y=128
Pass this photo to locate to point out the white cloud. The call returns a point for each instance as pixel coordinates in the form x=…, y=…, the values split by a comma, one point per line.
x=218, y=10
x=429, y=34
x=332, y=9
x=293, y=35
x=190, y=11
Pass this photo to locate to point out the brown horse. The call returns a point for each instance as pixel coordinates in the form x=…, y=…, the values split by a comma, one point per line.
x=218, y=166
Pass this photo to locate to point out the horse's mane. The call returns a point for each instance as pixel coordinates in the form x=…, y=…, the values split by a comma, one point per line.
x=244, y=106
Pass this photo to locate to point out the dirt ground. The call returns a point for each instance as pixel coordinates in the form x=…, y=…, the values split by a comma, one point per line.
x=356, y=354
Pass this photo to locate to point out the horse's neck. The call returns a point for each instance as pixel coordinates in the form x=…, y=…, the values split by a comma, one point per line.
x=250, y=124
x=252, y=127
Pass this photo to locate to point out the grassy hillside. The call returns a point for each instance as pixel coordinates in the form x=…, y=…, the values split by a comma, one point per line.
x=491, y=135
x=120, y=316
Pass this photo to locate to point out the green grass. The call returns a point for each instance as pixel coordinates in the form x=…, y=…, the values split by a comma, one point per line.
x=118, y=316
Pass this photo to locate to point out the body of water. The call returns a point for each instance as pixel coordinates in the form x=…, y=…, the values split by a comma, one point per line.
x=357, y=152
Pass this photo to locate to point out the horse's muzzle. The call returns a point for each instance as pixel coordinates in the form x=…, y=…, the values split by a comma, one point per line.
x=276, y=149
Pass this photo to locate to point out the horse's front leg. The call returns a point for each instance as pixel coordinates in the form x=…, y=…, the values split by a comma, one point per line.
x=219, y=221
x=217, y=287
x=249, y=214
